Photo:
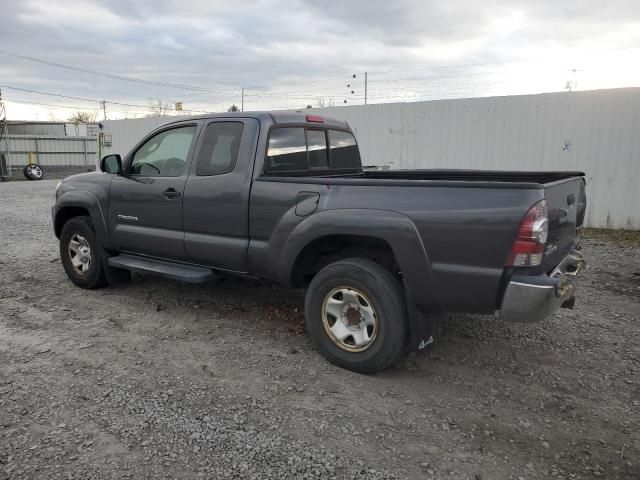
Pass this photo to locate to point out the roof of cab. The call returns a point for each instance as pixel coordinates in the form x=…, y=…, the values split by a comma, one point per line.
x=280, y=118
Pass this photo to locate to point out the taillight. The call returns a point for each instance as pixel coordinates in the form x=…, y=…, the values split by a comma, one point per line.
x=528, y=248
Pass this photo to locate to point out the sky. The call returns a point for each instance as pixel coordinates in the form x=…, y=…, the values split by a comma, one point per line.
x=290, y=54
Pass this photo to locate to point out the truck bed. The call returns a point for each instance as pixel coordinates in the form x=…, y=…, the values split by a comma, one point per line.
x=434, y=177
x=467, y=220
x=472, y=175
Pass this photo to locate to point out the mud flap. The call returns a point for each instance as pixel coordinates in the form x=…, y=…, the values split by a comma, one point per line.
x=421, y=329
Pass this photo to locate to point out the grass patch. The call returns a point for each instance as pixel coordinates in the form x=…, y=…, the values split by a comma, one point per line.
x=625, y=237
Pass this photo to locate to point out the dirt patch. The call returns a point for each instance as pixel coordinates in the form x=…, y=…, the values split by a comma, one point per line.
x=158, y=379
x=624, y=237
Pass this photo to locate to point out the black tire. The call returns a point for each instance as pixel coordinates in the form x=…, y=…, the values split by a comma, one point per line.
x=81, y=227
x=33, y=171
x=385, y=294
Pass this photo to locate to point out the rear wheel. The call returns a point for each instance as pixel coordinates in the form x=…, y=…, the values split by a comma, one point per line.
x=356, y=315
x=79, y=252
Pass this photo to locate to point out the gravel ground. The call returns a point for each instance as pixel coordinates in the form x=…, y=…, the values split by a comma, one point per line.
x=159, y=379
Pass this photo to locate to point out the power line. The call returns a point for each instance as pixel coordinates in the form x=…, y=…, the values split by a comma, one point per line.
x=343, y=89
x=303, y=82
x=500, y=62
x=466, y=65
x=386, y=80
x=383, y=80
x=302, y=95
x=322, y=80
x=92, y=100
x=57, y=105
x=377, y=91
x=114, y=76
x=204, y=90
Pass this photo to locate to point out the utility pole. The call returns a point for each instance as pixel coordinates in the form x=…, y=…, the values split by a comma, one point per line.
x=4, y=138
x=104, y=108
x=365, y=87
x=242, y=103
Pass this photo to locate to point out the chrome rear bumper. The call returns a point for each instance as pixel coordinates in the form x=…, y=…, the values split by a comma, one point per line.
x=535, y=298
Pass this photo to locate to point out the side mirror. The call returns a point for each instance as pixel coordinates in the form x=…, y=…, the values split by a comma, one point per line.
x=111, y=164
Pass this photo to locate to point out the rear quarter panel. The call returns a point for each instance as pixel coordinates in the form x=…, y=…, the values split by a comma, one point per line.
x=464, y=233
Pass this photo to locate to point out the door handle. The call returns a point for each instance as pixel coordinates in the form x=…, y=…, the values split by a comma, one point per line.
x=171, y=193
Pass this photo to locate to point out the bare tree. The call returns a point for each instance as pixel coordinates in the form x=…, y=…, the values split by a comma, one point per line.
x=158, y=109
x=233, y=108
x=83, y=117
x=322, y=103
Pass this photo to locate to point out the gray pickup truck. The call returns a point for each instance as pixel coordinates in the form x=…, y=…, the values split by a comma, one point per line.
x=283, y=196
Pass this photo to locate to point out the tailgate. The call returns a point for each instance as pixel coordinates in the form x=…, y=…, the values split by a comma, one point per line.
x=566, y=201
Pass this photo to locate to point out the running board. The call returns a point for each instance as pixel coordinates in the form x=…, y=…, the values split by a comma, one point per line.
x=174, y=271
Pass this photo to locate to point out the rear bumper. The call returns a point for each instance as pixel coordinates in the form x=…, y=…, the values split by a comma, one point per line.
x=535, y=298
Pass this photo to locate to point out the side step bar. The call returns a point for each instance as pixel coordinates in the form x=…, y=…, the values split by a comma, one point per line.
x=174, y=271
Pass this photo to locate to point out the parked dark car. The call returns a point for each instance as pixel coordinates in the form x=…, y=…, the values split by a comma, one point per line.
x=283, y=196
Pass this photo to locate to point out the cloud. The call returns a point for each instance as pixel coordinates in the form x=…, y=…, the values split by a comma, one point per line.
x=255, y=43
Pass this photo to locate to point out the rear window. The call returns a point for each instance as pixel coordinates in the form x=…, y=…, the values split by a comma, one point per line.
x=317, y=145
x=299, y=150
x=343, y=150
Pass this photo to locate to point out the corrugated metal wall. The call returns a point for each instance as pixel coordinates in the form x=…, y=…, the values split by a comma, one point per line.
x=597, y=132
x=36, y=128
x=53, y=151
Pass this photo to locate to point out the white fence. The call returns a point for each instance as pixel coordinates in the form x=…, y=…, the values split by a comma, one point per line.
x=597, y=132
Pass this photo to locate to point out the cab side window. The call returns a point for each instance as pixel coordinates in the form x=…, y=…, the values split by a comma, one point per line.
x=164, y=154
x=219, y=150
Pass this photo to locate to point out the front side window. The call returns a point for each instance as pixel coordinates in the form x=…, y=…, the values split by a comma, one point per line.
x=164, y=154
x=287, y=150
x=219, y=149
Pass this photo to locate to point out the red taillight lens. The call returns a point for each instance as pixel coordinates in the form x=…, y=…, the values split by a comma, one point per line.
x=528, y=249
x=315, y=119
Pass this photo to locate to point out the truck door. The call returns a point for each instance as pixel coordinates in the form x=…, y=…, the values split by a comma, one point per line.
x=216, y=194
x=145, y=203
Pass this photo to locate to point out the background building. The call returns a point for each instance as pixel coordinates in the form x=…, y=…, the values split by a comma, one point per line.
x=597, y=132
x=56, y=146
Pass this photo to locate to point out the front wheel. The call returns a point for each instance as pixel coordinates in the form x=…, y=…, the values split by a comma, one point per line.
x=356, y=315
x=80, y=255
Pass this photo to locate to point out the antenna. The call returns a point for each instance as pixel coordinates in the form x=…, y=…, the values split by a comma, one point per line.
x=572, y=83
